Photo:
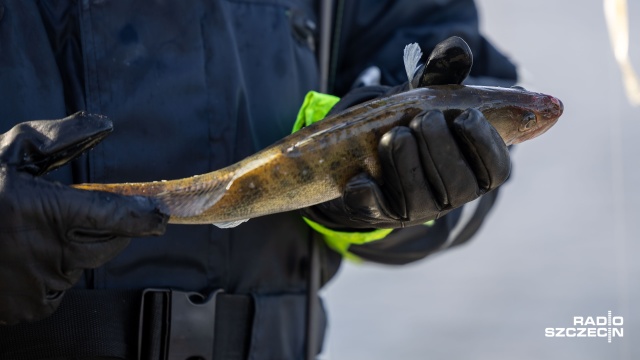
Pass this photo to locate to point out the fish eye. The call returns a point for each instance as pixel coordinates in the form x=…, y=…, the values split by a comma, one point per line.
x=528, y=122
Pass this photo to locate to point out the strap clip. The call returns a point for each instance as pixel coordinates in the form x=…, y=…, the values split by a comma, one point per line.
x=176, y=325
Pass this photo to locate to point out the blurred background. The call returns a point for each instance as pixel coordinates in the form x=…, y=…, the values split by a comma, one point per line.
x=564, y=238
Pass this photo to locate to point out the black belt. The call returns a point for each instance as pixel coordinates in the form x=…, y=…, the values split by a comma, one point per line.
x=154, y=324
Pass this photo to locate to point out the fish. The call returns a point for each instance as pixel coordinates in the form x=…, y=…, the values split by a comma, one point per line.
x=314, y=164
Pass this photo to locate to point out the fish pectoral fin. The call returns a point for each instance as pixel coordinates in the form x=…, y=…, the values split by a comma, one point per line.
x=192, y=200
x=230, y=224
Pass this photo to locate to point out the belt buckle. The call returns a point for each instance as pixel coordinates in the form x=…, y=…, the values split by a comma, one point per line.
x=188, y=323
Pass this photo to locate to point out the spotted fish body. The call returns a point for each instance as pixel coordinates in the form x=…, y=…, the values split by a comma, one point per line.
x=314, y=164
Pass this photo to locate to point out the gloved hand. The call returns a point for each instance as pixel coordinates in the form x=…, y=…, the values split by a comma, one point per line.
x=50, y=232
x=430, y=167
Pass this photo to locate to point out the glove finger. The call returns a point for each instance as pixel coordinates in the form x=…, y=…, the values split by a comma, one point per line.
x=88, y=227
x=483, y=148
x=405, y=183
x=364, y=200
x=90, y=255
x=96, y=216
x=40, y=146
x=28, y=290
x=99, y=226
x=28, y=305
x=449, y=63
x=444, y=165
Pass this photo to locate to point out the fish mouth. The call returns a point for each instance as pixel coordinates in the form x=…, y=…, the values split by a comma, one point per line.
x=559, y=106
x=548, y=109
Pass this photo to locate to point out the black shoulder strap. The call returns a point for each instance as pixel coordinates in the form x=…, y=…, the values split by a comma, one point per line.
x=325, y=11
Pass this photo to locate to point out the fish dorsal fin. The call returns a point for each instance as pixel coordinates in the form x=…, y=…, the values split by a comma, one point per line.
x=412, y=55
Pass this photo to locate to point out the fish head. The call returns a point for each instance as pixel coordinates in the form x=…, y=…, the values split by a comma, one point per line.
x=519, y=115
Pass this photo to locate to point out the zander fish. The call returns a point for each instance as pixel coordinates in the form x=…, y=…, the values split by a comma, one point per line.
x=314, y=164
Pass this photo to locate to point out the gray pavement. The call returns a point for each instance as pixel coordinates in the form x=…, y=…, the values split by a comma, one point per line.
x=563, y=239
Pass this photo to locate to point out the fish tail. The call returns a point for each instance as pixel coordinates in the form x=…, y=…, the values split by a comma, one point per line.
x=176, y=198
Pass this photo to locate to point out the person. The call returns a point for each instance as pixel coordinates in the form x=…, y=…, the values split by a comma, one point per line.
x=190, y=87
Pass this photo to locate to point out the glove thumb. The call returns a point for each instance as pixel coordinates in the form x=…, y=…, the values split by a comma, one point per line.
x=449, y=63
x=40, y=146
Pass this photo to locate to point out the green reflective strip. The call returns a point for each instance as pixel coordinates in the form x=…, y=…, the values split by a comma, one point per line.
x=340, y=241
x=314, y=108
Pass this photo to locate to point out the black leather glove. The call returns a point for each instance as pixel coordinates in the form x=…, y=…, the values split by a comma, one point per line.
x=428, y=168
x=50, y=232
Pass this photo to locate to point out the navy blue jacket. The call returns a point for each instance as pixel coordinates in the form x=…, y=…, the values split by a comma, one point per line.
x=193, y=86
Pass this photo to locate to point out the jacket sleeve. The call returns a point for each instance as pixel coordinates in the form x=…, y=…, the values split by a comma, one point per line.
x=374, y=33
